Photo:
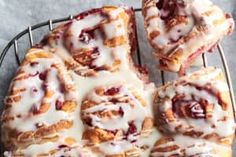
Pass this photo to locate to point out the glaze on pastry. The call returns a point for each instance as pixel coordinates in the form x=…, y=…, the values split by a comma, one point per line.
x=112, y=113
x=196, y=106
x=95, y=41
x=40, y=101
x=180, y=30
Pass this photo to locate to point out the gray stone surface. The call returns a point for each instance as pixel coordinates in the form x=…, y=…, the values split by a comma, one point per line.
x=16, y=15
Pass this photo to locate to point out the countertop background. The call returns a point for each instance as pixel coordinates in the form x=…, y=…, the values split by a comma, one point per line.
x=17, y=15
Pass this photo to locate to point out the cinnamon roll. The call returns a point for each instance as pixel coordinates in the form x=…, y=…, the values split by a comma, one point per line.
x=95, y=41
x=180, y=30
x=180, y=146
x=198, y=106
x=115, y=117
x=39, y=103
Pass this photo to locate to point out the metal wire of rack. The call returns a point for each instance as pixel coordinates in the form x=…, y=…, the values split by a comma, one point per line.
x=50, y=22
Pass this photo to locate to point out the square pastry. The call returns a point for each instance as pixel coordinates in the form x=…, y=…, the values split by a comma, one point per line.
x=181, y=30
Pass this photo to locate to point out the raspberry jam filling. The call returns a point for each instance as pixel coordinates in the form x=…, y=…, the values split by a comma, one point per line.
x=169, y=8
x=86, y=35
x=86, y=58
x=112, y=91
x=197, y=107
x=190, y=108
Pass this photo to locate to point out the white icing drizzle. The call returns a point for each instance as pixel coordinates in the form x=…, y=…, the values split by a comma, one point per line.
x=131, y=113
x=77, y=26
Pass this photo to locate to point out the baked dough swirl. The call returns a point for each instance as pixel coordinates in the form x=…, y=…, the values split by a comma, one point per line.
x=112, y=114
x=198, y=106
x=97, y=40
x=40, y=100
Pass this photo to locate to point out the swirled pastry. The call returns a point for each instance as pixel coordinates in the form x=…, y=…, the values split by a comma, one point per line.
x=94, y=41
x=180, y=30
x=39, y=103
x=112, y=115
x=198, y=106
x=180, y=146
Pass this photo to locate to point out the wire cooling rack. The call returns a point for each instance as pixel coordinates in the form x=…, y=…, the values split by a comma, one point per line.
x=29, y=32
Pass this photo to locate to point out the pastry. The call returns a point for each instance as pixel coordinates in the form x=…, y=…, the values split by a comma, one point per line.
x=40, y=100
x=95, y=41
x=196, y=106
x=181, y=30
x=112, y=115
